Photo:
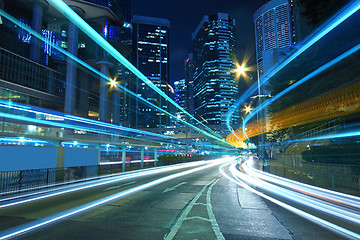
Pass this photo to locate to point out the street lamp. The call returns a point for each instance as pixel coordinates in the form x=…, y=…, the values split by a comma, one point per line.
x=113, y=83
x=247, y=109
x=243, y=70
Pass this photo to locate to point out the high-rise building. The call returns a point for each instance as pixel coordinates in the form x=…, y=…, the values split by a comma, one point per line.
x=274, y=33
x=180, y=90
x=151, y=57
x=189, y=83
x=215, y=89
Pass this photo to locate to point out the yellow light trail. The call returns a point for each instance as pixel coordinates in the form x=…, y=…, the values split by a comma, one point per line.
x=337, y=103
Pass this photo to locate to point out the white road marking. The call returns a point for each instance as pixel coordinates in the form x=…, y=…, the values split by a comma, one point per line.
x=118, y=186
x=174, y=187
x=213, y=222
x=176, y=227
x=197, y=217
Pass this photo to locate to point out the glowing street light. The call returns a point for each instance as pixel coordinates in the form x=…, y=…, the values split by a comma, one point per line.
x=113, y=83
x=241, y=69
x=247, y=109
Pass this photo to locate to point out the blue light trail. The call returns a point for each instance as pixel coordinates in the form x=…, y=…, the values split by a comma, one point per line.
x=103, y=76
x=96, y=37
x=17, y=231
x=301, y=81
x=331, y=24
x=94, y=125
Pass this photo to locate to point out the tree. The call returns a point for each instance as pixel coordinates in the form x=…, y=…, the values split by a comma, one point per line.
x=318, y=11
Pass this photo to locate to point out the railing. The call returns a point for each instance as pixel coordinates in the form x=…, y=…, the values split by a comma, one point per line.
x=329, y=127
x=341, y=178
x=19, y=70
x=12, y=182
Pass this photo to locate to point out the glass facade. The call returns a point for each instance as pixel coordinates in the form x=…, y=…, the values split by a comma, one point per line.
x=215, y=89
x=189, y=82
x=181, y=95
x=151, y=57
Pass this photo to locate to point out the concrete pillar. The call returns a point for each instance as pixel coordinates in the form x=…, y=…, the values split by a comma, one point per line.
x=142, y=158
x=83, y=105
x=103, y=95
x=123, y=158
x=116, y=106
x=37, y=15
x=155, y=157
x=71, y=67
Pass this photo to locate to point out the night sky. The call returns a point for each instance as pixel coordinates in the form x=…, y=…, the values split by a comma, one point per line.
x=185, y=16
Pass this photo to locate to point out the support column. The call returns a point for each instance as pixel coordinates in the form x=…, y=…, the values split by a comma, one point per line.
x=142, y=158
x=123, y=158
x=37, y=16
x=155, y=157
x=103, y=94
x=71, y=66
x=116, y=106
x=83, y=105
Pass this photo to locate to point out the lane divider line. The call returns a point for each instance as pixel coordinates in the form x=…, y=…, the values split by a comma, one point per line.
x=183, y=217
x=214, y=224
x=176, y=227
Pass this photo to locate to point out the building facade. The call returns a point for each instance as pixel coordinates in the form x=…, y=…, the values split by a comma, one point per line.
x=274, y=33
x=49, y=78
x=151, y=56
x=215, y=89
x=180, y=90
x=189, y=83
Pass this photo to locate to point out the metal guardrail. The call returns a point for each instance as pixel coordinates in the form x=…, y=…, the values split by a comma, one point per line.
x=329, y=176
x=19, y=70
x=12, y=182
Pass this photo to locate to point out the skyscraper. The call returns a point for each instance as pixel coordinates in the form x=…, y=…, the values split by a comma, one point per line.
x=274, y=34
x=180, y=90
x=215, y=89
x=189, y=82
x=151, y=57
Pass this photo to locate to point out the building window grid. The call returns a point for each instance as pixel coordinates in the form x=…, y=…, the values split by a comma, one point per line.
x=269, y=30
x=283, y=26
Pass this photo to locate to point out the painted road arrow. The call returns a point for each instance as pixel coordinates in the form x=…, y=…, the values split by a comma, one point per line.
x=174, y=187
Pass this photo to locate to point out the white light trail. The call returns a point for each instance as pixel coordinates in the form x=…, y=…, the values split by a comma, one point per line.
x=26, y=198
x=240, y=179
x=60, y=216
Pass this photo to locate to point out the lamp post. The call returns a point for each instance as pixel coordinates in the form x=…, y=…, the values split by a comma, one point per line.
x=242, y=70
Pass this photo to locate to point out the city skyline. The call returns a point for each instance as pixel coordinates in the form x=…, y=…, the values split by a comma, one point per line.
x=185, y=20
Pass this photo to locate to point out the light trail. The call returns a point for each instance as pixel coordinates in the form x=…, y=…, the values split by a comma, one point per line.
x=96, y=37
x=331, y=24
x=321, y=193
x=103, y=76
x=304, y=197
x=300, y=82
x=94, y=182
x=336, y=103
x=17, y=231
x=241, y=180
x=95, y=124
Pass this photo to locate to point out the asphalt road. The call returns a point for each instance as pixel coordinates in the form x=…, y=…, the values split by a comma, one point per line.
x=199, y=205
